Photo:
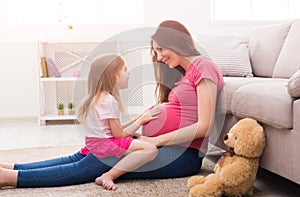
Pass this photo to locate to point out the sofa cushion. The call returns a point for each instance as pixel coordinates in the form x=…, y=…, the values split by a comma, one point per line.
x=289, y=59
x=265, y=44
x=234, y=83
x=229, y=52
x=267, y=102
x=294, y=85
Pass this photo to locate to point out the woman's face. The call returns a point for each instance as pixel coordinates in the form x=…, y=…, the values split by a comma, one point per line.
x=123, y=78
x=166, y=56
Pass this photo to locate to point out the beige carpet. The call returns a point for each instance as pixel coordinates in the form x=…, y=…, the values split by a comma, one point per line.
x=131, y=188
x=127, y=188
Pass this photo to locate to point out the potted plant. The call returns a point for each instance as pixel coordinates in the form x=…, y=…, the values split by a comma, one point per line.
x=60, y=108
x=71, y=108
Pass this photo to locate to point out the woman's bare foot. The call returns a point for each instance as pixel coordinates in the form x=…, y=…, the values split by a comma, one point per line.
x=7, y=166
x=105, y=181
x=2, y=181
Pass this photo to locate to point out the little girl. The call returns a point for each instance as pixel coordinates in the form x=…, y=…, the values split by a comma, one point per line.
x=100, y=111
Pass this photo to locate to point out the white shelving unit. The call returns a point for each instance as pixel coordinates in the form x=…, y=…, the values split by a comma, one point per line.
x=54, y=90
x=68, y=57
x=76, y=56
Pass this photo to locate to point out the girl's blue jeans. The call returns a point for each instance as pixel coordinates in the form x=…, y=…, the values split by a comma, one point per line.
x=171, y=162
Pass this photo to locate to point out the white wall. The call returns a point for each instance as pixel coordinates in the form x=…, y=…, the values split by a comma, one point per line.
x=19, y=62
x=18, y=80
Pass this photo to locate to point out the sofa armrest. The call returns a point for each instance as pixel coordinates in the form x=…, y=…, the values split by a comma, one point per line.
x=296, y=115
x=293, y=85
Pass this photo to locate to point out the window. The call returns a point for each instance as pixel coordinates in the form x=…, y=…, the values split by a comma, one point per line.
x=52, y=12
x=255, y=10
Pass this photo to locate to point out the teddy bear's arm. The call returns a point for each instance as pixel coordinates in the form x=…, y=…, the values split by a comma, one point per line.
x=236, y=172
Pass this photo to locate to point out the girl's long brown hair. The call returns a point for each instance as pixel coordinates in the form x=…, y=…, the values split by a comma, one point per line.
x=173, y=36
x=101, y=78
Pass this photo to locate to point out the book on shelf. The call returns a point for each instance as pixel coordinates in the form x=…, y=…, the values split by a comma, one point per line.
x=44, y=70
x=52, y=69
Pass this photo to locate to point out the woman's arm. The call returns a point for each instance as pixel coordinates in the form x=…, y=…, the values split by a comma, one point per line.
x=206, y=96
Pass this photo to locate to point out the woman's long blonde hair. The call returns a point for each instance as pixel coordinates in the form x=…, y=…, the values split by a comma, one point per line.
x=101, y=78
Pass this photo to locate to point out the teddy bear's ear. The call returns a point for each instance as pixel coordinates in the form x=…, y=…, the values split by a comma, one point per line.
x=251, y=139
x=259, y=140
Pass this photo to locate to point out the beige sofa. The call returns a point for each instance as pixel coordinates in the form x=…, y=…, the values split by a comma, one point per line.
x=270, y=93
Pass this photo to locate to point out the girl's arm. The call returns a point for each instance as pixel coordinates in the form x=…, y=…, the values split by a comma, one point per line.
x=206, y=94
x=146, y=116
x=130, y=122
x=118, y=131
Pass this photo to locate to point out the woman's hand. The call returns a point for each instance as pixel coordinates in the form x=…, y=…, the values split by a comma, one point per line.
x=149, y=114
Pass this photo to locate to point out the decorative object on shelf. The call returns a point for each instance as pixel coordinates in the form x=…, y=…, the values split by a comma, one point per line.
x=70, y=26
x=71, y=108
x=76, y=73
x=44, y=67
x=60, y=109
x=52, y=67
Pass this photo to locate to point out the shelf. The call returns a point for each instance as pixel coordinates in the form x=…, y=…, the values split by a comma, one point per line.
x=67, y=57
x=63, y=79
x=57, y=117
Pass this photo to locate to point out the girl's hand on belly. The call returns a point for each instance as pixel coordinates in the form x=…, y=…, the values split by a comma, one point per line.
x=150, y=114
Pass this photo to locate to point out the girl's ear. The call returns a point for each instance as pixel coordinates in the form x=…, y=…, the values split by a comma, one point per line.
x=117, y=76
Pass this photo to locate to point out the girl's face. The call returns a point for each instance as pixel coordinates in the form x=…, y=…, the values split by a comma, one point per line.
x=123, y=78
x=166, y=56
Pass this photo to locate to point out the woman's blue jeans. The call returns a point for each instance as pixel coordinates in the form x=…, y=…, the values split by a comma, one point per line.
x=171, y=162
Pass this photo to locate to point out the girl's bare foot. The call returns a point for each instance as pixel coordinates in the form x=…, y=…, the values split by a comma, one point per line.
x=106, y=182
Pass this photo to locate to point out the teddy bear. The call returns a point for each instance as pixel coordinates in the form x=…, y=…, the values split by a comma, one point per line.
x=236, y=170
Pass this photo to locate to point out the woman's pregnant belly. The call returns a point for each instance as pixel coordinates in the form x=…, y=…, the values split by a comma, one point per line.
x=168, y=120
x=172, y=118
